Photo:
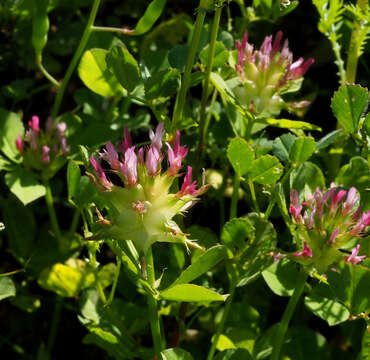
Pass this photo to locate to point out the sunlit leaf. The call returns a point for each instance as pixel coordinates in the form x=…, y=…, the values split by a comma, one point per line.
x=95, y=75
x=151, y=15
x=240, y=155
x=7, y=287
x=266, y=170
x=190, y=293
x=348, y=103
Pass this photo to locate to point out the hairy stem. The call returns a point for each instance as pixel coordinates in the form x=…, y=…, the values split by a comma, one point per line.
x=354, y=52
x=81, y=47
x=288, y=313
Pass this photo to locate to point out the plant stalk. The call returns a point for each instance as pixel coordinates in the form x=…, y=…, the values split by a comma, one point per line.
x=54, y=324
x=52, y=213
x=81, y=47
x=234, y=198
x=115, y=282
x=181, y=96
x=253, y=194
x=289, y=310
x=153, y=308
x=211, y=52
x=221, y=326
x=353, y=50
x=48, y=75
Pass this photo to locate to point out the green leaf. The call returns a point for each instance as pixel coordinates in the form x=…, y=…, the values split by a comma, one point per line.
x=365, y=353
x=234, y=354
x=176, y=354
x=190, y=293
x=254, y=258
x=7, y=287
x=329, y=310
x=225, y=91
x=266, y=170
x=85, y=192
x=281, y=277
x=94, y=73
x=240, y=155
x=21, y=239
x=235, y=232
x=151, y=15
x=10, y=127
x=289, y=124
x=162, y=84
x=356, y=174
x=348, y=103
x=307, y=177
x=202, y=264
x=124, y=66
x=366, y=124
x=302, y=149
x=73, y=178
x=224, y=342
x=108, y=325
x=328, y=139
x=177, y=57
x=220, y=57
x=24, y=185
x=296, y=345
x=5, y=164
x=282, y=145
x=349, y=284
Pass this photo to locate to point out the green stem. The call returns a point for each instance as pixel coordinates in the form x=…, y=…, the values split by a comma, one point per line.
x=54, y=324
x=92, y=256
x=209, y=114
x=253, y=194
x=222, y=322
x=289, y=310
x=52, y=213
x=48, y=75
x=181, y=96
x=211, y=52
x=153, y=308
x=74, y=223
x=76, y=57
x=273, y=195
x=10, y=273
x=115, y=282
x=113, y=29
x=234, y=198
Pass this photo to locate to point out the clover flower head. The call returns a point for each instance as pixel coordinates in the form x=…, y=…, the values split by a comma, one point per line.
x=331, y=219
x=43, y=150
x=142, y=207
x=268, y=73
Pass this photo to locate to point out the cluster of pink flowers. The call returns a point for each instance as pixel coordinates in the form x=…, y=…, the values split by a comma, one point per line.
x=40, y=147
x=327, y=221
x=142, y=209
x=267, y=73
x=137, y=166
